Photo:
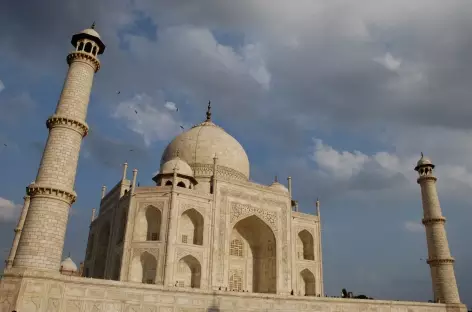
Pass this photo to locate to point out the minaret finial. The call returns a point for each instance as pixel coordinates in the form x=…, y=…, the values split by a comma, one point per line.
x=69, y=254
x=276, y=179
x=422, y=155
x=208, y=113
x=93, y=25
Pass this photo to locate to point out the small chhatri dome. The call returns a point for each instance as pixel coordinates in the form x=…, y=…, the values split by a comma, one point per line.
x=180, y=166
x=424, y=161
x=91, y=34
x=68, y=265
x=199, y=145
x=278, y=186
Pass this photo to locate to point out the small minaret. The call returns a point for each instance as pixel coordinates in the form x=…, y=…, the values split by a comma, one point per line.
x=439, y=257
x=104, y=190
x=18, y=230
x=52, y=194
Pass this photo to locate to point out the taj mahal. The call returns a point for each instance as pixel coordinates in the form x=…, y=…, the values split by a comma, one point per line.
x=204, y=237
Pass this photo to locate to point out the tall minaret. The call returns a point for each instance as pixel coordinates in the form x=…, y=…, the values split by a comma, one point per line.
x=439, y=257
x=52, y=193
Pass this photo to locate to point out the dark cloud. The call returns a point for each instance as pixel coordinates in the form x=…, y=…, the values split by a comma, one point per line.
x=111, y=152
x=283, y=73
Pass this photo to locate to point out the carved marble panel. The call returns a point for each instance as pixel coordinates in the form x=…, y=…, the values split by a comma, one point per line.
x=139, y=251
x=73, y=306
x=31, y=304
x=186, y=207
x=132, y=308
x=240, y=211
x=92, y=306
x=53, y=305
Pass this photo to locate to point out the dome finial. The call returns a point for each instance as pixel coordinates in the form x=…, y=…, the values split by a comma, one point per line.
x=93, y=25
x=208, y=113
x=276, y=179
x=422, y=155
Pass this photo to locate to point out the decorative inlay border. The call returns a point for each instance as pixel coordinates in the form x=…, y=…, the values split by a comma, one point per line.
x=222, y=171
x=182, y=252
x=138, y=251
x=186, y=207
x=76, y=125
x=426, y=178
x=82, y=55
x=436, y=262
x=427, y=221
x=159, y=205
x=35, y=190
x=240, y=211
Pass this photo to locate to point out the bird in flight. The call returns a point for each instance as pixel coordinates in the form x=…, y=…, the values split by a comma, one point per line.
x=181, y=127
x=136, y=111
x=118, y=92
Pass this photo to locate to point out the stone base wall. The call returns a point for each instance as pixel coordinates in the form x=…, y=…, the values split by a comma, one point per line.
x=28, y=291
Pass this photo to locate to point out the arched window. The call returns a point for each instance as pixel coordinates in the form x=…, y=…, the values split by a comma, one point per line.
x=305, y=246
x=94, y=50
x=153, y=219
x=236, y=281
x=236, y=248
x=188, y=272
x=80, y=47
x=88, y=47
x=169, y=183
x=307, y=283
x=191, y=227
x=181, y=184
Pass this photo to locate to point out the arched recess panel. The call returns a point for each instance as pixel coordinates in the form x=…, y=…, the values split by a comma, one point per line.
x=191, y=227
x=256, y=262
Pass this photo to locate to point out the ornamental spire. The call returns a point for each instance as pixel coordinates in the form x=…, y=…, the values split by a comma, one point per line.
x=93, y=25
x=208, y=113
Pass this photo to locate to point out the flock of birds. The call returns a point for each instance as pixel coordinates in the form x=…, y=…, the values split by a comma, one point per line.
x=136, y=112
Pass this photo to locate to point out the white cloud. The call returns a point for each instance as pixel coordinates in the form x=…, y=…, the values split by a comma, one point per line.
x=170, y=106
x=9, y=211
x=389, y=62
x=412, y=226
x=342, y=165
x=2, y=86
x=142, y=115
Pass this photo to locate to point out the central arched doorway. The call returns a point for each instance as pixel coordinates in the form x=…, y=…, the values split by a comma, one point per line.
x=253, y=265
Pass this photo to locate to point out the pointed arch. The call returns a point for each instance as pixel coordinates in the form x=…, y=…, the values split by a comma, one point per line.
x=259, y=255
x=169, y=183
x=191, y=227
x=88, y=47
x=153, y=220
x=80, y=46
x=188, y=272
x=148, y=224
x=307, y=283
x=181, y=184
x=149, y=267
x=305, y=246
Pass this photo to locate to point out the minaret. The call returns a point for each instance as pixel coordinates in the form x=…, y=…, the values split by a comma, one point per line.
x=52, y=194
x=439, y=257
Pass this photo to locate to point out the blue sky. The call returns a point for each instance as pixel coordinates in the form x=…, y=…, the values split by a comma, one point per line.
x=341, y=97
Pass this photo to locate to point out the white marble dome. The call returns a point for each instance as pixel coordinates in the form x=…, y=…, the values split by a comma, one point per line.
x=90, y=32
x=181, y=167
x=424, y=161
x=68, y=265
x=278, y=186
x=198, y=146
